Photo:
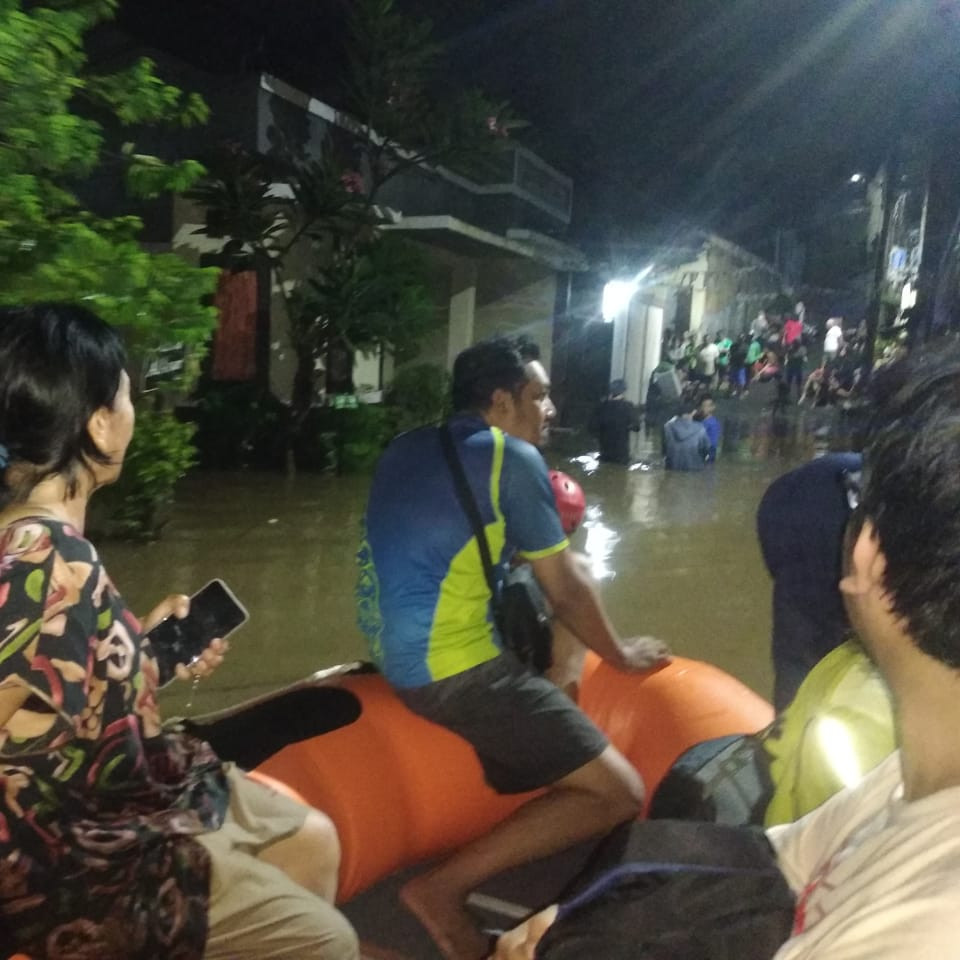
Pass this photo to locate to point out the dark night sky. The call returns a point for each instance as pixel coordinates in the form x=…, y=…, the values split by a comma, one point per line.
x=737, y=114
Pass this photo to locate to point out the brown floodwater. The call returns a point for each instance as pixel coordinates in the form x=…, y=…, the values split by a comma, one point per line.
x=674, y=555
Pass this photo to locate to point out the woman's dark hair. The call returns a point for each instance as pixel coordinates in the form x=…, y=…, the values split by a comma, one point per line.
x=911, y=494
x=483, y=368
x=59, y=363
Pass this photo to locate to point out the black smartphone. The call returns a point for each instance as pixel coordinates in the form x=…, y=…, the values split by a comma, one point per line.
x=214, y=612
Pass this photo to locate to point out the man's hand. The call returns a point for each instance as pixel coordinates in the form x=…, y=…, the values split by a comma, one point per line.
x=521, y=942
x=642, y=653
x=577, y=606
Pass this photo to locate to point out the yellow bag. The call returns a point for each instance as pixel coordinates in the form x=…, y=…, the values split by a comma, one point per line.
x=839, y=726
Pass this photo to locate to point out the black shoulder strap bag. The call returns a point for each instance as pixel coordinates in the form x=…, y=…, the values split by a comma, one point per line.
x=524, y=627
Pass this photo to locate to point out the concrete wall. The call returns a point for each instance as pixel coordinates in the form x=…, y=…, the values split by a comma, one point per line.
x=726, y=290
x=481, y=298
x=517, y=296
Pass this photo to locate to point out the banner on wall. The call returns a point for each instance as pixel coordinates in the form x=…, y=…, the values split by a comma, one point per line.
x=235, y=341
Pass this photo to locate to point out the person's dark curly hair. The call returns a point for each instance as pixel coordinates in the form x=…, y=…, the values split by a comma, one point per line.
x=911, y=494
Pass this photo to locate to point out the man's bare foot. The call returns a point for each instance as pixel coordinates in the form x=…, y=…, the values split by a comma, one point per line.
x=444, y=918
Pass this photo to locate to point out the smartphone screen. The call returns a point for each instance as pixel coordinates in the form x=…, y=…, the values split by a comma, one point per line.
x=214, y=612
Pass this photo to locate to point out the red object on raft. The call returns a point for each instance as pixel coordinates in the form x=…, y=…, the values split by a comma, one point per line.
x=401, y=789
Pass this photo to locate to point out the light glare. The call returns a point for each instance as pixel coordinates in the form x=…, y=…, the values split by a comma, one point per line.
x=617, y=294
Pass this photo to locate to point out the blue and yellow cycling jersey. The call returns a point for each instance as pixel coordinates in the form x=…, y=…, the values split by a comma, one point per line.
x=423, y=600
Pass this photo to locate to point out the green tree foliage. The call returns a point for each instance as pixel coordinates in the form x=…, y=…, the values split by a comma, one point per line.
x=420, y=394
x=52, y=247
x=364, y=288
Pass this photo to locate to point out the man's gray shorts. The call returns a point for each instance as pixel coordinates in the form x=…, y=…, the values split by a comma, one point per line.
x=526, y=732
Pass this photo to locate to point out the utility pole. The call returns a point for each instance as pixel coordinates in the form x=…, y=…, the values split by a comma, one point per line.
x=889, y=169
x=942, y=209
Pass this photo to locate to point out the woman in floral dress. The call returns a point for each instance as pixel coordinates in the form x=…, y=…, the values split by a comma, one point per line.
x=118, y=839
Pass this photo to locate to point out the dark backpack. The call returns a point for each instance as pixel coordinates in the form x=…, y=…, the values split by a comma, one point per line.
x=726, y=780
x=675, y=890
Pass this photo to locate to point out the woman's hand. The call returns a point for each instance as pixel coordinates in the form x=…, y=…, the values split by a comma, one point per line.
x=175, y=605
x=202, y=666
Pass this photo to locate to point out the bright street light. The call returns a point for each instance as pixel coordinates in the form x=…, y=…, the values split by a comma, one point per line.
x=617, y=294
x=857, y=178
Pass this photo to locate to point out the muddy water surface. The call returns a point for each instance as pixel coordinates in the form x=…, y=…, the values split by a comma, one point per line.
x=674, y=555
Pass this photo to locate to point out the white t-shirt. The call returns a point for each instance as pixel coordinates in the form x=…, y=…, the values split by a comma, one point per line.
x=876, y=878
x=831, y=342
x=708, y=359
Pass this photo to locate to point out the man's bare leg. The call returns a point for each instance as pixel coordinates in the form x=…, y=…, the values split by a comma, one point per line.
x=587, y=803
x=568, y=654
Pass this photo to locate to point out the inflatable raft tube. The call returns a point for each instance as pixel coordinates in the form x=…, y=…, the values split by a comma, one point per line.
x=402, y=790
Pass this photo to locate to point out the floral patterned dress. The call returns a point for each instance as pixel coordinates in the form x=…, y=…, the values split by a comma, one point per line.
x=98, y=806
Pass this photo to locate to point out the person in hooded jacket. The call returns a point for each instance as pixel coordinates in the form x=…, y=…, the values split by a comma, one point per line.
x=686, y=445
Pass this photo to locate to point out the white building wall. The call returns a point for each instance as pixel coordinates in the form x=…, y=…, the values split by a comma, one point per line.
x=517, y=297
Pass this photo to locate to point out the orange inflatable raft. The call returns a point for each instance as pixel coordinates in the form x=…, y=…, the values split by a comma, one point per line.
x=401, y=790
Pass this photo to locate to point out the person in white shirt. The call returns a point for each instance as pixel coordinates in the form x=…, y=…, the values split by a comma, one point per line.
x=876, y=869
x=833, y=339
x=707, y=362
x=760, y=325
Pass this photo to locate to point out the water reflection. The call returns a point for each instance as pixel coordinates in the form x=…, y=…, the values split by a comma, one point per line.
x=588, y=462
x=599, y=545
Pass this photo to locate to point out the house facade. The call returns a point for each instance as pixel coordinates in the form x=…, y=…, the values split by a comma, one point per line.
x=495, y=249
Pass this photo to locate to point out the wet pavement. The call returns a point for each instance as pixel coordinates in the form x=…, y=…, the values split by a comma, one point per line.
x=674, y=555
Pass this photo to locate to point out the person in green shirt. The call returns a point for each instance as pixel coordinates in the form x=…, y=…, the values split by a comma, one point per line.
x=754, y=353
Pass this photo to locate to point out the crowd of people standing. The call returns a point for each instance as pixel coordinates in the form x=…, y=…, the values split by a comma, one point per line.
x=778, y=351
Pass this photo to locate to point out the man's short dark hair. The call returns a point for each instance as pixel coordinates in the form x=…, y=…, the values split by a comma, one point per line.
x=911, y=494
x=528, y=349
x=483, y=368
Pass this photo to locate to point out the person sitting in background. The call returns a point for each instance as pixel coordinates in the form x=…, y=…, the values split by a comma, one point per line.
x=816, y=390
x=612, y=421
x=120, y=841
x=705, y=416
x=844, y=374
x=769, y=367
x=685, y=443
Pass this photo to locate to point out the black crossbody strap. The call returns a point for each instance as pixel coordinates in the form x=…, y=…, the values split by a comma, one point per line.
x=469, y=504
